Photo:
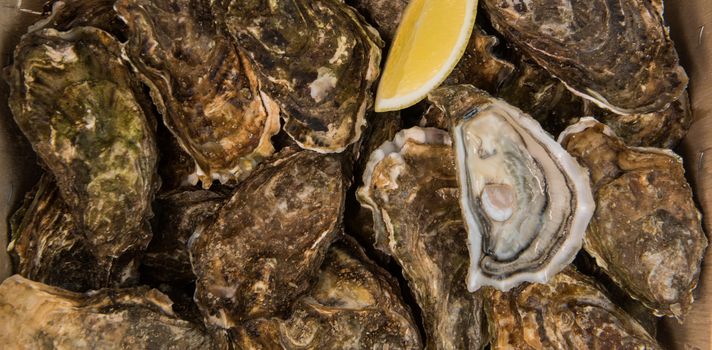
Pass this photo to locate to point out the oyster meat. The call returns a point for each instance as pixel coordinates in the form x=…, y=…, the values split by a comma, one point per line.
x=384, y=14
x=38, y=316
x=353, y=305
x=85, y=115
x=618, y=54
x=317, y=58
x=646, y=232
x=268, y=240
x=525, y=201
x=569, y=312
x=203, y=85
x=410, y=188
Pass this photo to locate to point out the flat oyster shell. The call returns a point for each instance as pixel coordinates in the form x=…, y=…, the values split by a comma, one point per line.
x=37, y=316
x=616, y=54
x=269, y=239
x=411, y=190
x=525, y=201
x=646, y=232
x=569, y=312
x=354, y=305
x=317, y=58
x=74, y=98
x=385, y=15
x=47, y=247
x=204, y=87
x=178, y=215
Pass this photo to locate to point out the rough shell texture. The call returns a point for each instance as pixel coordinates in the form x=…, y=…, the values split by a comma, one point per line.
x=64, y=15
x=269, y=239
x=385, y=15
x=615, y=53
x=74, y=98
x=37, y=316
x=178, y=215
x=204, y=87
x=47, y=247
x=354, y=305
x=411, y=190
x=569, y=312
x=317, y=58
x=646, y=231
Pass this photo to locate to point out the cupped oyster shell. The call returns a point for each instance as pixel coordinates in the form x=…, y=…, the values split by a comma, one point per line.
x=525, y=201
x=204, y=87
x=267, y=242
x=617, y=54
x=410, y=188
x=646, y=232
x=38, y=316
x=85, y=115
x=354, y=305
x=317, y=58
x=568, y=312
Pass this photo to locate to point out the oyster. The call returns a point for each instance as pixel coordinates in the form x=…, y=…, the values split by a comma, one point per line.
x=84, y=114
x=526, y=203
x=37, y=316
x=354, y=305
x=179, y=214
x=617, y=54
x=385, y=15
x=316, y=58
x=411, y=190
x=47, y=247
x=64, y=15
x=569, y=312
x=646, y=232
x=175, y=167
x=204, y=87
x=269, y=239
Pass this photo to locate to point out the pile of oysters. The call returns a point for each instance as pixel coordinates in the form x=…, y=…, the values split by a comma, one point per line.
x=215, y=177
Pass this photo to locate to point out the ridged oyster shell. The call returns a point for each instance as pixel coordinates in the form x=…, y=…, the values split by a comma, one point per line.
x=204, y=87
x=646, y=232
x=525, y=201
x=410, y=188
x=317, y=58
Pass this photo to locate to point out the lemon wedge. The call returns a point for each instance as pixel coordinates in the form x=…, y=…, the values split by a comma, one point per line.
x=430, y=40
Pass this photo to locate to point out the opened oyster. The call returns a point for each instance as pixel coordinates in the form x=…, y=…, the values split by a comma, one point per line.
x=526, y=203
x=616, y=54
x=204, y=87
x=269, y=239
x=37, y=316
x=354, y=305
x=569, y=312
x=316, y=58
x=646, y=232
x=411, y=190
x=74, y=99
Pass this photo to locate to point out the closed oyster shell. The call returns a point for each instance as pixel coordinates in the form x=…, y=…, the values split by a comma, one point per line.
x=385, y=15
x=569, y=312
x=204, y=87
x=38, y=316
x=64, y=15
x=268, y=240
x=47, y=246
x=617, y=54
x=411, y=190
x=353, y=305
x=646, y=232
x=525, y=201
x=84, y=114
x=317, y=58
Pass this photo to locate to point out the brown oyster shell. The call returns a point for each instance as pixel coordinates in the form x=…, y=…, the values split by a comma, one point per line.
x=353, y=305
x=411, y=189
x=204, y=87
x=85, y=115
x=616, y=54
x=385, y=15
x=646, y=232
x=64, y=15
x=569, y=312
x=38, y=316
x=317, y=58
x=269, y=239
